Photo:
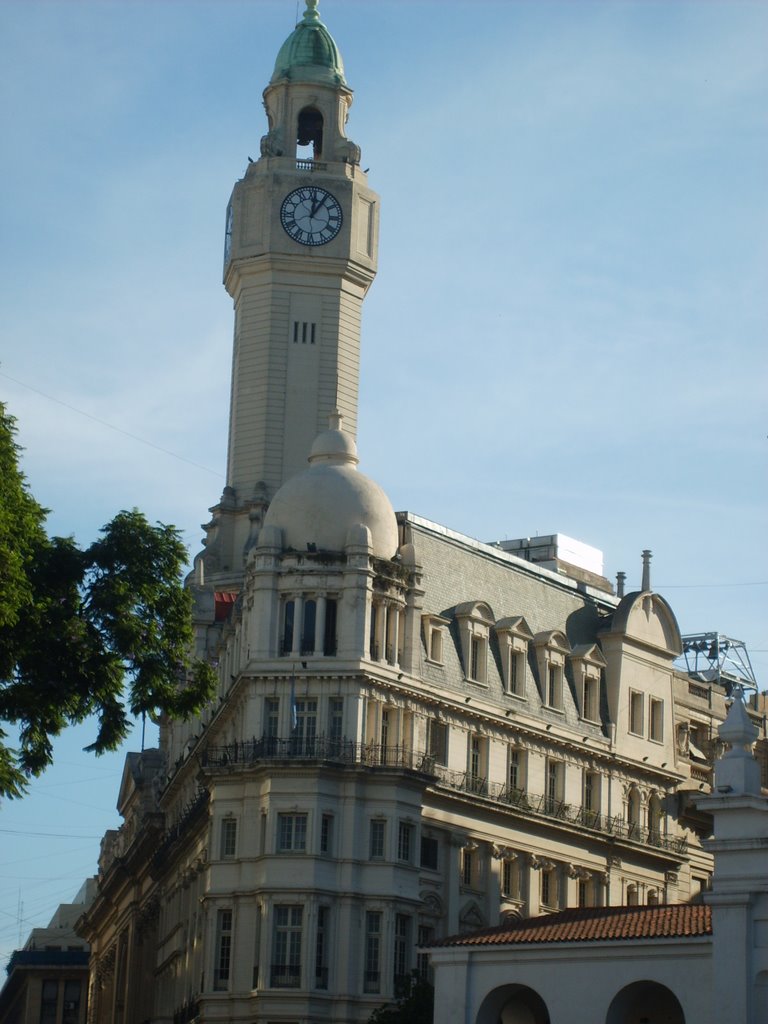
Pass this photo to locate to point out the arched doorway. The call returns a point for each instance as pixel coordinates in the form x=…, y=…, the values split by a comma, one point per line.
x=513, y=1004
x=645, y=1002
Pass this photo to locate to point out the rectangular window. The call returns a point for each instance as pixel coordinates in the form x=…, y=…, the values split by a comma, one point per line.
x=467, y=866
x=437, y=741
x=305, y=732
x=510, y=879
x=321, y=948
x=335, y=723
x=436, y=644
x=515, y=770
x=223, y=960
x=429, y=853
x=402, y=948
x=657, y=720
x=516, y=672
x=372, y=973
x=477, y=658
x=591, y=703
x=228, y=838
x=49, y=1002
x=591, y=795
x=72, y=997
x=286, y=948
x=636, y=712
x=549, y=887
x=291, y=833
x=326, y=833
x=376, y=845
x=329, y=635
x=404, y=842
x=289, y=609
x=555, y=686
x=477, y=764
x=555, y=786
x=426, y=936
x=308, y=627
x=271, y=722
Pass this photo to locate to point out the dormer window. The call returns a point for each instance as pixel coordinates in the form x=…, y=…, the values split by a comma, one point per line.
x=551, y=649
x=475, y=620
x=555, y=685
x=514, y=636
x=434, y=636
x=587, y=664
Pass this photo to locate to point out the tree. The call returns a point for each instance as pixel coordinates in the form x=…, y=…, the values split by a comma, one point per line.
x=100, y=631
x=415, y=1004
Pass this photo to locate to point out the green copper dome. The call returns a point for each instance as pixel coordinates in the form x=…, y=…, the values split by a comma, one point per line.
x=309, y=54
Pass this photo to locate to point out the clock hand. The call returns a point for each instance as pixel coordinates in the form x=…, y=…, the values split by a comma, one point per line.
x=316, y=206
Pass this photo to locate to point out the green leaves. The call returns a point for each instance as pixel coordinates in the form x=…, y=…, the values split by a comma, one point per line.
x=104, y=631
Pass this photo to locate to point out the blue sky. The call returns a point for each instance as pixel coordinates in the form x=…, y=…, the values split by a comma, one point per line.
x=567, y=332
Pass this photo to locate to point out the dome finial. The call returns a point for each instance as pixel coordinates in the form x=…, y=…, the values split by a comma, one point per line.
x=310, y=54
x=335, y=419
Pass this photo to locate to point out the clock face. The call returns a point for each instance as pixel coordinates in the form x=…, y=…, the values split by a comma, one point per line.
x=310, y=215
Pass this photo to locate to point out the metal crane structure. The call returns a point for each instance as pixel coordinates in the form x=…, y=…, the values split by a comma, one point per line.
x=716, y=658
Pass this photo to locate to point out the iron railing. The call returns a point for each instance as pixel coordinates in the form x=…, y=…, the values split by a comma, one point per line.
x=320, y=748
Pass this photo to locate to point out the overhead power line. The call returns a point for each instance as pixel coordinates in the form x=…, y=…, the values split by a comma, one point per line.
x=111, y=426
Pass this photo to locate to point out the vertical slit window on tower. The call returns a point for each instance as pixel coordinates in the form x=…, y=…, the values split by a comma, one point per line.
x=288, y=613
x=312, y=334
x=308, y=627
x=329, y=640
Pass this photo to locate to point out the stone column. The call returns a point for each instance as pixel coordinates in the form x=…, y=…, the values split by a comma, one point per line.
x=298, y=623
x=320, y=606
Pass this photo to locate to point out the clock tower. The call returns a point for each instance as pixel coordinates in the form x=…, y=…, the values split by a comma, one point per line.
x=299, y=257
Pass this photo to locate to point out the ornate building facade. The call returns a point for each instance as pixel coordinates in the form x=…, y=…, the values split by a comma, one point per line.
x=415, y=734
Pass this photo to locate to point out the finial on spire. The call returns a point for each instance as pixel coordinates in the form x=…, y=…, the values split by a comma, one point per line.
x=647, y=556
x=311, y=13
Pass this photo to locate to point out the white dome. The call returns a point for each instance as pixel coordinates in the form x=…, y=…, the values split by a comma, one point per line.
x=328, y=499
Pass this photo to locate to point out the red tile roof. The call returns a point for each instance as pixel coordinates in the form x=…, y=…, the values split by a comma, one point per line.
x=595, y=924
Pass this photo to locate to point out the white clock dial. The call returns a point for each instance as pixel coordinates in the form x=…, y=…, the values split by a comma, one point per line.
x=310, y=215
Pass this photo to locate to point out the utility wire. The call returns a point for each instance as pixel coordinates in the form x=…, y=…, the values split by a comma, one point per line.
x=111, y=426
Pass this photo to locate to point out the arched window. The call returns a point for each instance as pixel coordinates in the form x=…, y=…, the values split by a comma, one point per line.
x=655, y=818
x=634, y=813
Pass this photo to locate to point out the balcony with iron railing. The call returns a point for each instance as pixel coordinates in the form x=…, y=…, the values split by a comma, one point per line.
x=560, y=810
x=372, y=755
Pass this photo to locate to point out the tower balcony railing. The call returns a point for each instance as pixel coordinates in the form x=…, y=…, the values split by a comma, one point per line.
x=311, y=165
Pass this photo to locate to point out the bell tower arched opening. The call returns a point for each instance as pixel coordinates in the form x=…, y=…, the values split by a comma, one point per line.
x=309, y=134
